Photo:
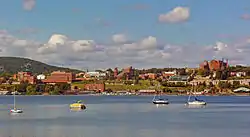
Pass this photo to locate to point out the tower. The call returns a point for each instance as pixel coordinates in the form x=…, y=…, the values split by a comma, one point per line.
x=116, y=72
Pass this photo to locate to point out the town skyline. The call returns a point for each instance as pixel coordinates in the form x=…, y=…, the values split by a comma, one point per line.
x=141, y=33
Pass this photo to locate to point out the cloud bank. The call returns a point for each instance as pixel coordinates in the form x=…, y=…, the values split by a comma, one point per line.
x=144, y=53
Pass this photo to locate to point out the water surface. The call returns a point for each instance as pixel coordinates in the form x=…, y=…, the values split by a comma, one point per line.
x=121, y=116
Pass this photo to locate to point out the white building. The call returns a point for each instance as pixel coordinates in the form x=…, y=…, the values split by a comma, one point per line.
x=41, y=77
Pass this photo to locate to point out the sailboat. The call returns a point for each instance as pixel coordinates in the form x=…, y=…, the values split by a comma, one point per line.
x=15, y=110
x=196, y=101
x=160, y=100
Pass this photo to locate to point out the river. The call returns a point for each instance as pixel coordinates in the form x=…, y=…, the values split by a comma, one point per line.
x=125, y=116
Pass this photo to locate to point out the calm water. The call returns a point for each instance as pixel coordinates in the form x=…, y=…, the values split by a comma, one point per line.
x=117, y=116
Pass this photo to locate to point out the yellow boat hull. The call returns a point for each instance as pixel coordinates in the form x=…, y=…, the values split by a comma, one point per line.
x=77, y=105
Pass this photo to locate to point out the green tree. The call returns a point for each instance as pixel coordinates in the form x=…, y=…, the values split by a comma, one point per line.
x=22, y=86
x=201, y=72
x=40, y=88
x=63, y=86
x=49, y=88
x=1, y=81
x=210, y=84
x=136, y=81
x=124, y=77
x=31, y=90
x=55, y=91
x=218, y=74
x=236, y=84
x=159, y=79
x=10, y=81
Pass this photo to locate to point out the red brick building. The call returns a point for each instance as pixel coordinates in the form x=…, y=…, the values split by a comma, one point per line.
x=60, y=77
x=25, y=76
x=115, y=72
x=148, y=76
x=96, y=87
x=214, y=65
x=126, y=71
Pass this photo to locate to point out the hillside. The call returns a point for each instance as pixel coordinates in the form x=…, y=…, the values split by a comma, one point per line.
x=15, y=64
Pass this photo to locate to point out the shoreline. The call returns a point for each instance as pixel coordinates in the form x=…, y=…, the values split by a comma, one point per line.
x=227, y=95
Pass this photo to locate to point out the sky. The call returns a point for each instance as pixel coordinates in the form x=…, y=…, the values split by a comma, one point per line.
x=97, y=34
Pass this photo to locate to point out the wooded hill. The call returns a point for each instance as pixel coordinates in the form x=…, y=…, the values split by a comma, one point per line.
x=16, y=64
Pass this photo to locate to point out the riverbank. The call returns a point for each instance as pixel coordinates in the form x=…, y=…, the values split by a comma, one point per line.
x=247, y=94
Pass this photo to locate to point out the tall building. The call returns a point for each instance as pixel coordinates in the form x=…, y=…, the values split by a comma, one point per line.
x=115, y=72
x=214, y=65
x=128, y=72
x=26, y=75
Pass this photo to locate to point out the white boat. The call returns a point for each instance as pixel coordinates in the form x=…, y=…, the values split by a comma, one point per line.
x=160, y=100
x=15, y=110
x=196, y=101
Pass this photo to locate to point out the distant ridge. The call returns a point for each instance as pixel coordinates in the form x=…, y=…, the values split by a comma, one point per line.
x=15, y=64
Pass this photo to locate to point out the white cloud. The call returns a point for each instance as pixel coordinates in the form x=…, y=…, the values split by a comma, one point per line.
x=119, y=38
x=58, y=42
x=29, y=4
x=146, y=52
x=147, y=43
x=178, y=14
x=57, y=39
x=84, y=45
x=53, y=43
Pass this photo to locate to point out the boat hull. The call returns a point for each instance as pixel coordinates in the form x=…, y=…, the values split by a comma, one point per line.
x=77, y=106
x=160, y=102
x=196, y=103
x=16, y=111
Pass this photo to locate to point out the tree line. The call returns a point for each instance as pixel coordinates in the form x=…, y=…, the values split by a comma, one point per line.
x=35, y=89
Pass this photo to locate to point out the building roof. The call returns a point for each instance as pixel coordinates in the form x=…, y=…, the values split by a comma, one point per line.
x=178, y=78
x=55, y=81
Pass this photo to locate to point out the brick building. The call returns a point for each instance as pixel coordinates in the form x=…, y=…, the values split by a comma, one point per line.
x=214, y=65
x=128, y=72
x=115, y=72
x=148, y=76
x=60, y=77
x=25, y=76
x=97, y=87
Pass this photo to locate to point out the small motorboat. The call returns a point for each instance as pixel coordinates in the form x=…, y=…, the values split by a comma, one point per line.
x=77, y=105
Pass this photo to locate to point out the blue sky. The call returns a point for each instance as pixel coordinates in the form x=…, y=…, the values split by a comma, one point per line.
x=209, y=20
x=77, y=19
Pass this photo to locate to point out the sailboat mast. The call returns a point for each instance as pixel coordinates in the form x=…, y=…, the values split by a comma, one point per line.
x=191, y=92
x=14, y=99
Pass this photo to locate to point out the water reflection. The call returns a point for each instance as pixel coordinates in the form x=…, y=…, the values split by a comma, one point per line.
x=195, y=106
x=161, y=105
x=76, y=109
